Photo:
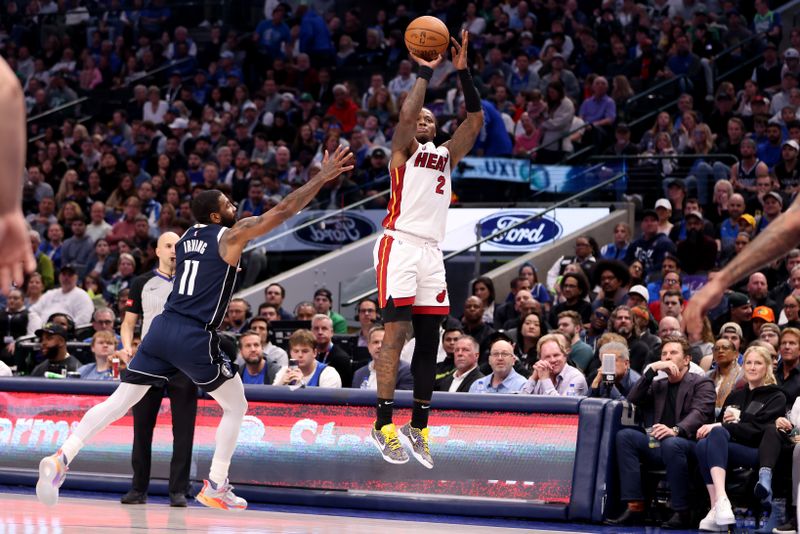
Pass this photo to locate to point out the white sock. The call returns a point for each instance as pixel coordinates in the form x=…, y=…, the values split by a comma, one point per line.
x=102, y=415
x=230, y=397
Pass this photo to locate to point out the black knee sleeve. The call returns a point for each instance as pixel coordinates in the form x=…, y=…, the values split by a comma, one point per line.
x=426, y=346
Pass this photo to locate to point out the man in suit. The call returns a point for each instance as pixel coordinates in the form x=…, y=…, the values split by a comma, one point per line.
x=365, y=377
x=465, y=359
x=327, y=352
x=673, y=410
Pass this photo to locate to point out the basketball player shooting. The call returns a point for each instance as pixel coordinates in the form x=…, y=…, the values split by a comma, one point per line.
x=184, y=336
x=412, y=289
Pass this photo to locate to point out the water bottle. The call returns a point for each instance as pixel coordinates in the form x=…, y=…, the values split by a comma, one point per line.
x=739, y=514
x=749, y=522
x=779, y=509
x=481, y=388
x=764, y=519
x=365, y=383
x=571, y=391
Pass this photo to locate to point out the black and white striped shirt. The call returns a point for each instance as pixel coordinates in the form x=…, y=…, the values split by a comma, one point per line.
x=148, y=296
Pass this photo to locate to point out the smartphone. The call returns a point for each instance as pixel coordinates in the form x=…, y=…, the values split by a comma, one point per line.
x=293, y=364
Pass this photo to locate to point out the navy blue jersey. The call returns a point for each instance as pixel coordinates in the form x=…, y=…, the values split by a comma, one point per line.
x=203, y=280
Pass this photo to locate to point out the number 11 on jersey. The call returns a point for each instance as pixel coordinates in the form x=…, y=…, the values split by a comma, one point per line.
x=189, y=275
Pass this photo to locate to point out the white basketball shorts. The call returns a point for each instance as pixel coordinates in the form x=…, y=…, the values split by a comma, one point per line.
x=410, y=270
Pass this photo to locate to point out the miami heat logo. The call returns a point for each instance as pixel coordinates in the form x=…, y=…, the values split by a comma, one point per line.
x=440, y=297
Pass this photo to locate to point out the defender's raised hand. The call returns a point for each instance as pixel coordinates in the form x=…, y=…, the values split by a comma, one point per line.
x=333, y=165
x=459, y=51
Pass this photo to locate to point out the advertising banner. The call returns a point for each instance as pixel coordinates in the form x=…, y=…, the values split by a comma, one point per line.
x=527, y=457
x=542, y=178
x=349, y=227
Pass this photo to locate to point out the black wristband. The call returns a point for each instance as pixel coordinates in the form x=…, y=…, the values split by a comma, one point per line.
x=472, y=100
x=426, y=73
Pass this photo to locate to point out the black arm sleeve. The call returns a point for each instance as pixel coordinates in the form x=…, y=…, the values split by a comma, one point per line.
x=472, y=100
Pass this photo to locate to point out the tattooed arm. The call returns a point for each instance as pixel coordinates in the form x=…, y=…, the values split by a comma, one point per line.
x=234, y=240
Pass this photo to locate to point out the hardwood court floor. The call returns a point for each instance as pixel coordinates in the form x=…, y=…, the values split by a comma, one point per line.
x=21, y=513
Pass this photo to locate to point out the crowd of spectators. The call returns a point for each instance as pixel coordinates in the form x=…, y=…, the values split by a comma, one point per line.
x=250, y=112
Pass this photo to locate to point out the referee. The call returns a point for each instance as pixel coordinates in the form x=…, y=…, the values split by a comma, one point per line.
x=147, y=298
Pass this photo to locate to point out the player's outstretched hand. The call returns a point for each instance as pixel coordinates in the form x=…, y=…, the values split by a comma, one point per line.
x=16, y=256
x=698, y=306
x=335, y=164
x=459, y=51
x=425, y=63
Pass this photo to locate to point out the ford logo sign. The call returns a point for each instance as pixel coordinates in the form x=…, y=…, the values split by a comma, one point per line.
x=335, y=231
x=527, y=236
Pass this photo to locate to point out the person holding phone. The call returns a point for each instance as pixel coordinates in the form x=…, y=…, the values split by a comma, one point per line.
x=616, y=363
x=303, y=368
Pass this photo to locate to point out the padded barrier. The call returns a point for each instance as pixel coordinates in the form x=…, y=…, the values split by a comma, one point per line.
x=313, y=440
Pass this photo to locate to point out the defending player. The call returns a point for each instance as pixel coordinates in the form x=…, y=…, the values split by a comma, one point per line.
x=410, y=271
x=184, y=336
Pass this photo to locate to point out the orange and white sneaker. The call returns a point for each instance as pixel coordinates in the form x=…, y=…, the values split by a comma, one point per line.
x=52, y=473
x=221, y=497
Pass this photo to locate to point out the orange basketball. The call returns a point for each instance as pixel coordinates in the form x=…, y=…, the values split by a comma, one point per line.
x=427, y=37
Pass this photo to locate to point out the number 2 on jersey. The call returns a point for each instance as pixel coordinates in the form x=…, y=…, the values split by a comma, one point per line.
x=189, y=275
x=441, y=180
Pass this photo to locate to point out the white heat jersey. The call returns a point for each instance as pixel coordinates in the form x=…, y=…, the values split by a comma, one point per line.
x=421, y=194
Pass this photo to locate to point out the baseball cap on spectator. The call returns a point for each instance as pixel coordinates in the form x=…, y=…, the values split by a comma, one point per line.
x=759, y=99
x=649, y=213
x=767, y=327
x=736, y=299
x=748, y=218
x=526, y=35
x=792, y=143
x=791, y=53
x=641, y=311
x=557, y=55
x=248, y=105
x=287, y=96
x=777, y=196
x=765, y=313
x=377, y=152
x=306, y=97
x=53, y=329
x=731, y=328
x=179, y=123
x=694, y=213
x=68, y=269
x=324, y=292
x=676, y=182
x=700, y=10
x=641, y=291
x=663, y=203
x=257, y=161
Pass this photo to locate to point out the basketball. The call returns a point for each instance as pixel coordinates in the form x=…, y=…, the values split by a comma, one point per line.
x=427, y=37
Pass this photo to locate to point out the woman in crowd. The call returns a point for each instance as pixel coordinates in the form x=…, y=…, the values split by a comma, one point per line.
x=727, y=372
x=791, y=308
x=557, y=120
x=483, y=288
x=734, y=439
x=538, y=290
x=718, y=211
x=125, y=190
x=663, y=124
x=34, y=289
x=531, y=329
